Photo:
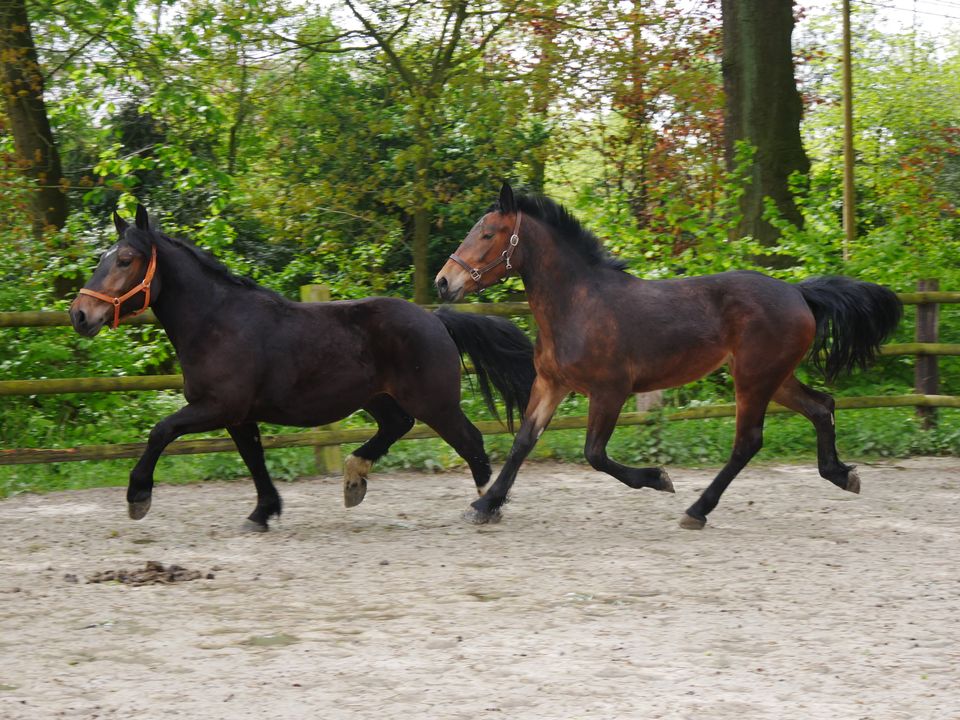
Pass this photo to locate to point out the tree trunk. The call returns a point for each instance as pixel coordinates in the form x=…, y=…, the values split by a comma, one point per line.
x=422, y=218
x=22, y=84
x=545, y=29
x=421, y=244
x=763, y=107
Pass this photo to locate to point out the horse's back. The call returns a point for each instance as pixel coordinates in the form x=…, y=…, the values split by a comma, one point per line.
x=725, y=296
x=669, y=332
x=325, y=360
x=398, y=335
x=385, y=321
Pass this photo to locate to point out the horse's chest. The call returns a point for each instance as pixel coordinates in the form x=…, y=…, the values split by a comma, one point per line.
x=574, y=360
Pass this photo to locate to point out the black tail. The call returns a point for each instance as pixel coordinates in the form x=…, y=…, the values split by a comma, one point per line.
x=853, y=318
x=501, y=354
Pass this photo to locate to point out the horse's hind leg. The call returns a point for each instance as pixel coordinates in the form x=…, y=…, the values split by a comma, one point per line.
x=393, y=423
x=751, y=408
x=601, y=421
x=818, y=407
x=463, y=436
x=247, y=439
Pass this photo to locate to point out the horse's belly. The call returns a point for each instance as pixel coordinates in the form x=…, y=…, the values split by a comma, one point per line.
x=315, y=403
x=679, y=370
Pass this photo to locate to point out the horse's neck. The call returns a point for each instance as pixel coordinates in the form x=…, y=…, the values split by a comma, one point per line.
x=553, y=278
x=189, y=295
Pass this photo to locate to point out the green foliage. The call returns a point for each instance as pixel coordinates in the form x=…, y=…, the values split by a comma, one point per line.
x=295, y=148
x=907, y=168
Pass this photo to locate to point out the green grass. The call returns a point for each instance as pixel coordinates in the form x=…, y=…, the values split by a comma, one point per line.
x=862, y=435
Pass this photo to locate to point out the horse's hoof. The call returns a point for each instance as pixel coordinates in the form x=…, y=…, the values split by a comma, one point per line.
x=478, y=517
x=666, y=484
x=137, y=510
x=853, y=482
x=688, y=522
x=253, y=526
x=355, y=471
x=354, y=493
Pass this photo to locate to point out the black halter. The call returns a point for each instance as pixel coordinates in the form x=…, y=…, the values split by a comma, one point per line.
x=477, y=273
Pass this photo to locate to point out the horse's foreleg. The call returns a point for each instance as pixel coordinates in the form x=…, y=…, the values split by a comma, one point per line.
x=188, y=419
x=601, y=421
x=818, y=407
x=544, y=398
x=247, y=439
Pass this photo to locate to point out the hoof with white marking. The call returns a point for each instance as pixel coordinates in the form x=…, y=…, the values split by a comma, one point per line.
x=355, y=471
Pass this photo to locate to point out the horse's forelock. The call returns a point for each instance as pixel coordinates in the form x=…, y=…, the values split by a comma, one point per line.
x=141, y=240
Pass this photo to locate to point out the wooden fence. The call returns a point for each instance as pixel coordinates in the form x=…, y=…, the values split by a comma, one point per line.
x=925, y=399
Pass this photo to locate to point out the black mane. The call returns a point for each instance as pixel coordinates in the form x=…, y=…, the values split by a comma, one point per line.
x=568, y=228
x=208, y=261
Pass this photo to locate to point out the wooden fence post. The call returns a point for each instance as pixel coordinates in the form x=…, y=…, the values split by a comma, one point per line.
x=927, y=373
x=328, y=457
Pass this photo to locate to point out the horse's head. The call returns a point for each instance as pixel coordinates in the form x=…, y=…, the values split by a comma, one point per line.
x=122, y=283
x=485, y=255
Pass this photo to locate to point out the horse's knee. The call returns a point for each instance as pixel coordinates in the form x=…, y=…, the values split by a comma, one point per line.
x=160, y=434
x=748, y=444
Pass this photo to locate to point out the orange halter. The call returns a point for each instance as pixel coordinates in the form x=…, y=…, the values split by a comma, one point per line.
x=143, y=286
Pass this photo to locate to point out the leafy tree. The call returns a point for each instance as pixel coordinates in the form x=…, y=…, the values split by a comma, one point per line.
x=426, y=46
x=335, y=172
x=907, y=111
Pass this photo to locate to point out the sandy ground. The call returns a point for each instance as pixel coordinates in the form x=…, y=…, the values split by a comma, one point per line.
x=587, y=601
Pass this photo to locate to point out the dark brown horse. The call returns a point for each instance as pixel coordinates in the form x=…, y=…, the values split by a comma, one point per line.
x=250, y=355
x=607, y=334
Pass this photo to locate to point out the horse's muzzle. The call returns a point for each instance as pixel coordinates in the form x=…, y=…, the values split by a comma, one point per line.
x=84, y=324
x=446, y=291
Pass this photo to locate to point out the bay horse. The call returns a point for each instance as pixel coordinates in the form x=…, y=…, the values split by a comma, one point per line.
x=606, y=334
x=249, y=355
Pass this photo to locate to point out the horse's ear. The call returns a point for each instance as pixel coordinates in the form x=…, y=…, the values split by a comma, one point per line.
x=119, y=223
x=142, y=220
x=507, y=202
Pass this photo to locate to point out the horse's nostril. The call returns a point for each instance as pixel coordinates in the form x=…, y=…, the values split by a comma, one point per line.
x=442, y=284
x=81, y=317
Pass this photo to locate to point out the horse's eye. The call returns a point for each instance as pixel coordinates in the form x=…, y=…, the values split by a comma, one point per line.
x=487, y=236
x=121, y=262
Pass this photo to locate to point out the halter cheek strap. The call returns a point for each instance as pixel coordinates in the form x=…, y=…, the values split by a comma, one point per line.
x=143, y=286
x=477, y=273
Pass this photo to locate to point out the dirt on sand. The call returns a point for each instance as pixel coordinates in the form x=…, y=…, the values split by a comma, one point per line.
x=588, y=601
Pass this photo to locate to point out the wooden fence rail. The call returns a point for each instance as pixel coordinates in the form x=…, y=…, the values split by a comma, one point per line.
x=926, y=399
x=329, y=438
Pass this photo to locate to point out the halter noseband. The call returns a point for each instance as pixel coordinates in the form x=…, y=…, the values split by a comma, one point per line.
x=477, y=273
x=143, y=286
